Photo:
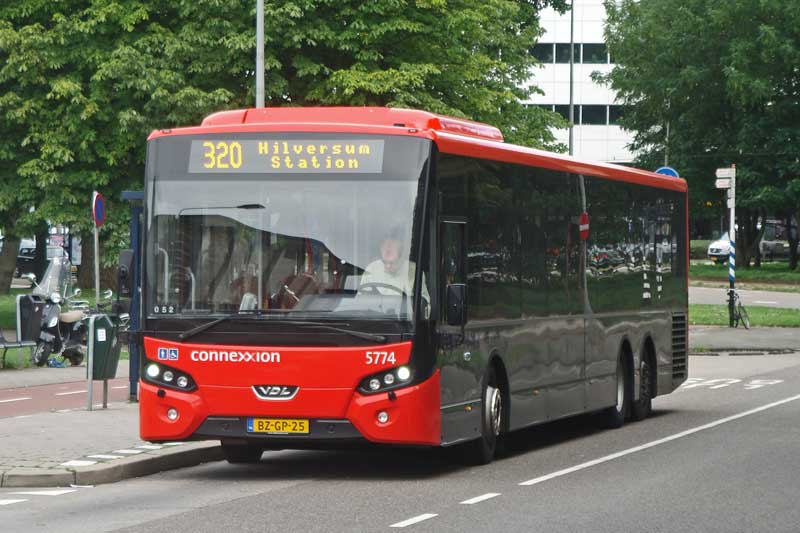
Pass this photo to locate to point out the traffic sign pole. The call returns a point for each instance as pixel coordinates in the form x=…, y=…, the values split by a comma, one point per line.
x=726, y=179
x=99, y=215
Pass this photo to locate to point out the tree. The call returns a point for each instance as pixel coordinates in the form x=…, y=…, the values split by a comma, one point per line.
x=83, y=82
x=723, y=76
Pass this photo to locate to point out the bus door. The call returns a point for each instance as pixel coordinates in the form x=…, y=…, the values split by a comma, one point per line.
x=460, y=375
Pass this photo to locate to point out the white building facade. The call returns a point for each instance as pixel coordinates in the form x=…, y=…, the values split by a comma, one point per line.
x=597, y=135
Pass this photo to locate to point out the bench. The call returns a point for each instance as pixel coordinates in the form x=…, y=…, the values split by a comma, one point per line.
x=29, y=320
x=6, y=344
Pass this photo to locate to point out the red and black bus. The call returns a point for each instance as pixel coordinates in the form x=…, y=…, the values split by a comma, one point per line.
x=317, y=277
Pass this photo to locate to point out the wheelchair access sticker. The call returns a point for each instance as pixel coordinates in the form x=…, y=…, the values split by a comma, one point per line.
x=167, y=354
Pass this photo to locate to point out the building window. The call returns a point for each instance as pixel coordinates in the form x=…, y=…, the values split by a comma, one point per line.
x=615, y=113
x=543, y=52
x=593, y=115
x=563, y=110
x=595, y=53
x=562, y=53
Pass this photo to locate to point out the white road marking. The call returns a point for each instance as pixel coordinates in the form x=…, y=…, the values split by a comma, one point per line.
x=22, y=416
x=765, y=302
x=758, y=383
x=415, y=520
x=658, y=442
x=79, y=462
x=15, y=399
x=121, y=387
x=149, y=447
x=173, y=444
x=71, y=392
x=9, y=502
x=725, y=382
x=482, y=498
x=127, y=452
x=104, y=456
x=57, y=492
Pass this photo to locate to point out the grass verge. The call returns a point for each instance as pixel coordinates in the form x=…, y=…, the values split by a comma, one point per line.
x=776, y=272
x=717, y=315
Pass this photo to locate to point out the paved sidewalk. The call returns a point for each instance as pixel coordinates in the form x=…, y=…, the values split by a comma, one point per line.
x=87, y=448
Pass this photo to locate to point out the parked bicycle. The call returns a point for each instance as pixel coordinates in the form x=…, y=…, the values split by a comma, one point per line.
x=739, y=312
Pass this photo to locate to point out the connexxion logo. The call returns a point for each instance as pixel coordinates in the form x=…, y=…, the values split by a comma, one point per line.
x=222, y=356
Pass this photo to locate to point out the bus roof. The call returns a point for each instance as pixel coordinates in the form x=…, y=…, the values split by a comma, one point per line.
x=452, y=135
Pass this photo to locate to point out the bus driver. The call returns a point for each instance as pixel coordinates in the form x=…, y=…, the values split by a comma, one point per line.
x=393, y=269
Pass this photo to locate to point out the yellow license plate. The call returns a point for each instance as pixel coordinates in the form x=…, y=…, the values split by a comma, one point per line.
x=276, y=425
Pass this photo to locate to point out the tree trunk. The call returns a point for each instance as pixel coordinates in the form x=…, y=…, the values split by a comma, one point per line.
x=8, y=262
x=86, y=268
x=40, y=257
x=746, y=236
x=793, y=236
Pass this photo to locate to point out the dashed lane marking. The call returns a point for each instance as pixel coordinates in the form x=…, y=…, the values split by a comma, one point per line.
x=127, y=452
x=56, y=492
x=9, y=502
x=611, y=457
x=481, y=498
x=765, y=302
x=71, y=392
x=414, y=520
x=15, y=399
x=149, y=447
x=121, y=387
x=104, y=456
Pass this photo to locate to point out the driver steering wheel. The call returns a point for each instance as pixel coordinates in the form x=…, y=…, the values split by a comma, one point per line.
x=373, y=286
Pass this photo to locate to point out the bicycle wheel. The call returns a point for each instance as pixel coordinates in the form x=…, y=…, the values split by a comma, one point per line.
x=742, y=315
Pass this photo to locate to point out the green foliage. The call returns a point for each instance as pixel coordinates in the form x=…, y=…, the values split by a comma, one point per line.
x=83, y=82
x=723, y=75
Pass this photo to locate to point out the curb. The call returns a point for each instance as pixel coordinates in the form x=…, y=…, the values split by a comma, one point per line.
x=190, y=454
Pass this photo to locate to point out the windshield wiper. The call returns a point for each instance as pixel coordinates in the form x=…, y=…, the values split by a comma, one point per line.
x=248, y=314
x=208, y=325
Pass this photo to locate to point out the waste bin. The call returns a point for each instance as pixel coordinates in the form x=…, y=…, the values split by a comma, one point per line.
x=105, y=345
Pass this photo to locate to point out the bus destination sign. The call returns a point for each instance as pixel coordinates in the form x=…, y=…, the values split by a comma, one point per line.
x=286, y=156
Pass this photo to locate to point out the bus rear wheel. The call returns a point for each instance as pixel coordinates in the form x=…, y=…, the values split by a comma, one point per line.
x=616, y=414
x=642, y=407
x=482, y=450
x=242, y=453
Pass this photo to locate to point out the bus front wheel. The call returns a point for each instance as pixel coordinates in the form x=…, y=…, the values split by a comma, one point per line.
x=483, y=449
x=241, y=453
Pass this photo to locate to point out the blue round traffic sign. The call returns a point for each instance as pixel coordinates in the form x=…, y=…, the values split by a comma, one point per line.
x=98, y=209
x=668, y=171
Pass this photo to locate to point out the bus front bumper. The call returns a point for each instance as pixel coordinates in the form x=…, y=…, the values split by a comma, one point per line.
x=210, y=413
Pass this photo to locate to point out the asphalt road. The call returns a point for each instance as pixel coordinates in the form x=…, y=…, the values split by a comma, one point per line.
x=704, y=295
x=719, y=454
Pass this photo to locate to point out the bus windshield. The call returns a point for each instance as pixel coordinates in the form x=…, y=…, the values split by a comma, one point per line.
x=322, y=243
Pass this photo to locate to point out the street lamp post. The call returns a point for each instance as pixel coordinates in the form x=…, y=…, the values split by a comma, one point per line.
x=259, y=53
x=571, y=76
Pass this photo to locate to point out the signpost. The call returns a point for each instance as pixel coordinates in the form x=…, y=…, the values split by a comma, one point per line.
x=668, y=171
x=99, y=215
x=726, y=179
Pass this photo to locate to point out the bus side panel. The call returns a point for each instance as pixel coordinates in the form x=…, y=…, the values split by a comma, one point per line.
x=463, y=366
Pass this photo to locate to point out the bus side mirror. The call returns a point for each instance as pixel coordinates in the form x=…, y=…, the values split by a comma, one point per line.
x=456, y=304
x=124, y=273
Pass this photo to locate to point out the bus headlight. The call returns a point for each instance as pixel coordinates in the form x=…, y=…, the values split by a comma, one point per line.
x=386, y=380
x=168, y=377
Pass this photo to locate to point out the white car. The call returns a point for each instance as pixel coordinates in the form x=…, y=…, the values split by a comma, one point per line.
x=719, y=250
